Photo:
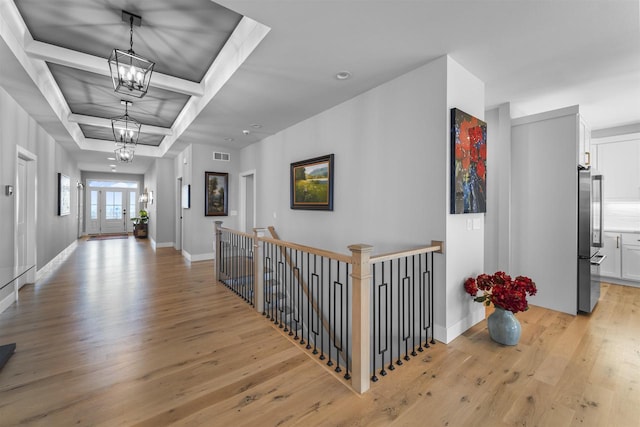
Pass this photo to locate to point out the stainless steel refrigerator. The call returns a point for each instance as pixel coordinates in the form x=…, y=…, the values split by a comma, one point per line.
x=589, y=238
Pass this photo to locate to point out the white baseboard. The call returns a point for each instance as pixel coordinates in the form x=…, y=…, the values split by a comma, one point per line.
x=446, y=335
x=7, y=301
x=165, y=245
x=56, y=261
x=198, y=257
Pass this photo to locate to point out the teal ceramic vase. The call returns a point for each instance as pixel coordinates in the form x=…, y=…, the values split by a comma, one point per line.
x=503, y=326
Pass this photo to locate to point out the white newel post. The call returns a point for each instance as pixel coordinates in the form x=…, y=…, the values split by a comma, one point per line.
x=361, y=311
x=258, y=270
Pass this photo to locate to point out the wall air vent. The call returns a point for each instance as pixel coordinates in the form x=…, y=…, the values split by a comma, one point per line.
x=224, y=157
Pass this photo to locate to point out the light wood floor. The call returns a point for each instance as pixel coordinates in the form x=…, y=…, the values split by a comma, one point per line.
x=122, y=335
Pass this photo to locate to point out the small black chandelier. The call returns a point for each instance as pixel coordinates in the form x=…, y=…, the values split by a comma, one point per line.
x=125, y=134
x=130, y=73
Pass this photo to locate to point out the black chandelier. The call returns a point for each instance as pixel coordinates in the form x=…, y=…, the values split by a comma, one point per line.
x=130, y=73
x=125, y=134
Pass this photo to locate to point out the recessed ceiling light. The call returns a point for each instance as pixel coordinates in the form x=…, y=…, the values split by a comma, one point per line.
x=256, y=126
x=343, y=75
x=229, y=139
x=111, y=158
x=246, y=131
x=113, y=166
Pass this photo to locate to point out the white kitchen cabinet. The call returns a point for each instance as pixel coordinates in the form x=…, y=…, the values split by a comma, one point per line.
x=631, y=256
x=619, y=163
x=584, y=143
x=611, y=266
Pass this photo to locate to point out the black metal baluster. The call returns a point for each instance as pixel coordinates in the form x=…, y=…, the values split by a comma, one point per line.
x=383, y=289
x=308, y=281
x=431, y=325
x=374, y=378
x=400, y=313
x=406, y=291
x=421, y=303
x=298, y=307
x=348, y=342
x=413, y=306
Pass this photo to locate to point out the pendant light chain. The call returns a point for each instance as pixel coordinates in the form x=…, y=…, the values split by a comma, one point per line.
x=131, y=35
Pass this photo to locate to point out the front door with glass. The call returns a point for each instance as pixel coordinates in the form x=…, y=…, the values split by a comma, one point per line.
x=109, y=210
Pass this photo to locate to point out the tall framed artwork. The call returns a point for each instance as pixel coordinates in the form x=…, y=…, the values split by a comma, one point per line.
x=216, y=193
x=311, y=184
x=64, y=194
x=468, y=163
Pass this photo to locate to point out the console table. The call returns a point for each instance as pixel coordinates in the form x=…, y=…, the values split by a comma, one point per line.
x=9, y=275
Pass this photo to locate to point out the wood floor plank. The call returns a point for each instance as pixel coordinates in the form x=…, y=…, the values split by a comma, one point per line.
x=122, y=335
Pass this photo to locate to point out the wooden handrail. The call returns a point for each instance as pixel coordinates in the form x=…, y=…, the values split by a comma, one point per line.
x=399, y=254
x=314, y=251
x=305, y=289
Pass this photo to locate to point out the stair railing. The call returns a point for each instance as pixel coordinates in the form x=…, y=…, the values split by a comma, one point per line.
x=362, y=315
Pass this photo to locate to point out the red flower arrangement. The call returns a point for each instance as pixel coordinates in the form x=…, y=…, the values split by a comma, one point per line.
x=501, y=290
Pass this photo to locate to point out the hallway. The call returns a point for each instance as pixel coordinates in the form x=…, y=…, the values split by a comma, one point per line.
x=120, y=335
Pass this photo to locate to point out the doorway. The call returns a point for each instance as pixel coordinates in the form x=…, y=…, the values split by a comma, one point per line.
x=25, y=213
x=179, y=212
x=110, y=206
x=247, y=217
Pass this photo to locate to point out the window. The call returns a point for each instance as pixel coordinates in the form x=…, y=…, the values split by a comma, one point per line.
x=132, y=204
x=94, y=204
x=112, y=184
x=113, y=205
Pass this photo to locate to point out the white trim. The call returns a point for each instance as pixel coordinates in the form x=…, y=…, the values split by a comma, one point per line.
x=31, y=161
x=616, y=138
x=7, y=301
x=242, y=220
x=446, y=335
x=56, y=261
x=547, y=115
x=198, y=257
x=165, y=245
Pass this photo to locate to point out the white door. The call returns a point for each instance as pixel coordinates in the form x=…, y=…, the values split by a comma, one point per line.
x=80, y=209
x=113, y=216
x=21, y=213
x=179, y=216
x=25, y=192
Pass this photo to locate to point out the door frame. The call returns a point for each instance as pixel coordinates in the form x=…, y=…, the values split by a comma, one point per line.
x=243, y=214
x=31, y=163
x=179, y=213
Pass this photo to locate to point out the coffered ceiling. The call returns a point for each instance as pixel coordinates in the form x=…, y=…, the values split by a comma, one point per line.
x=262, y=65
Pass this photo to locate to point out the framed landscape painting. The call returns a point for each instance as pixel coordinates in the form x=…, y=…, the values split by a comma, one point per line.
x=468, y=163
x=216, y=197
x=312, y=184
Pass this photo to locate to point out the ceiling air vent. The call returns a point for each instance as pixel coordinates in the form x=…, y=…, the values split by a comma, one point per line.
x=225, y=157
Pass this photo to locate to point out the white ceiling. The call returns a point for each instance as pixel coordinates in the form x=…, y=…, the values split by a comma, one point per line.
x=538, y=55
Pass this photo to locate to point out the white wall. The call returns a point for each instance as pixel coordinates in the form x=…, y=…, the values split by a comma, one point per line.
x=198, y=229
x=391, y=148
x=545, y=205
x=159, y=179
x=164, y=202
x=53, y=233
x=498, y=218
x=464, y=246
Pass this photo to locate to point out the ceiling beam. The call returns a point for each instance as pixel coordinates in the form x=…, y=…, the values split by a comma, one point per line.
x=94, y=64
x=106, y=123
x=103, y=146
